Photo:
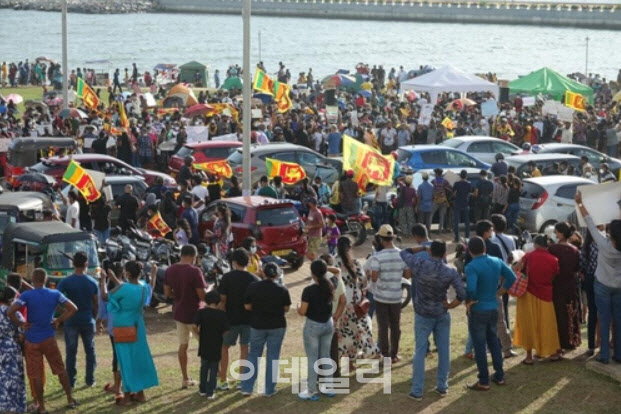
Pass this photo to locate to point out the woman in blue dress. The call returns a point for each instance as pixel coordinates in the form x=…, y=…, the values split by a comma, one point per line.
x=126, y=304
x=12, y=385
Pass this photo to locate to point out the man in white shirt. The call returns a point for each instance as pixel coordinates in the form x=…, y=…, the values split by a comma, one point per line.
x=72, y=216
x=261, y=137
x=199, y=193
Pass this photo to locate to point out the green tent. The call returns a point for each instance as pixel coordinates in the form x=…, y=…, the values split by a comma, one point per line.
x=188, y=71
x=548, y=82
x=233, y=82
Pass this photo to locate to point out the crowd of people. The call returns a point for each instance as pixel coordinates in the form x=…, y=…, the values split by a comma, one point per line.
x=567, y=279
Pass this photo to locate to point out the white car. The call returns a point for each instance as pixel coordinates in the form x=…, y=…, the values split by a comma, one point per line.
x=482, y=148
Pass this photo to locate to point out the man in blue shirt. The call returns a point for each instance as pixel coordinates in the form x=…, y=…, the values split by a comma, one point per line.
x=432, y=278
x=334, y=142
x=425, y=201
x=461, y=204
x=82, y=290
x=483, y=276
x=40, y=340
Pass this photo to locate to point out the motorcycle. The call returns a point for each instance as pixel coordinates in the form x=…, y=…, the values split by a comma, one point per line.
x=406, y=292
x=213, y=268
x=355, y=225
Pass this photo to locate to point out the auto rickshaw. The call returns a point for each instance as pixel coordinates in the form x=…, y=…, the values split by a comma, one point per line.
x=25, y=152
x=23, y=206
x=49, y=245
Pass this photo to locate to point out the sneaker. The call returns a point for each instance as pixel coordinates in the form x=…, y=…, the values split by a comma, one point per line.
x=202, y=394
x=238, y=386
x=223, y=386
x=211, y=397
x=441, y=393
x=246, y=394
x=269, y=395
x=307, y=396
x=415, y=397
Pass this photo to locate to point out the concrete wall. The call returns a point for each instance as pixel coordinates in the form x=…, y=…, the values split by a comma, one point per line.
x=550, y=14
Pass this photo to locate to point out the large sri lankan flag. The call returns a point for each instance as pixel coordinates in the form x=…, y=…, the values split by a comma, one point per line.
x=368, y=164
x=80, y=179
x=158, y=223
x=290, y=172
x=221, y=168
x=84, y=92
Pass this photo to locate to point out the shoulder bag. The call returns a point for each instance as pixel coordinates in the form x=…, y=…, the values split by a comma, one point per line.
x=128, y=334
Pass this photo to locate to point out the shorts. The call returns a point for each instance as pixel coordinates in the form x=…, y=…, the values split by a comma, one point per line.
x=313, y=244
x=34, y=358
x=241, y=331
x=184, y=332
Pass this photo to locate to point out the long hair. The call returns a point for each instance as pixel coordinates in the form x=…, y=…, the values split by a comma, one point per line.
x=343, y=246
x=226, y=214
x=319, y=269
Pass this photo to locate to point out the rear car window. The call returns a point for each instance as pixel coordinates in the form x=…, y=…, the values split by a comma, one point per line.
x=220, y=153
x=236, y=157
x=403, y=155
x=567, y=191
x=184, y=152
x=532, y=190
x=434, y=157
x=278, y=216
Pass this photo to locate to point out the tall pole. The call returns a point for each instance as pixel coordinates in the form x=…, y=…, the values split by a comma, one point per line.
x=586, y=61
x=259, y=46
x=65, y=67
x=246, y=184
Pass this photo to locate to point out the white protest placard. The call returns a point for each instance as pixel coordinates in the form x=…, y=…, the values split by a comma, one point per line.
x=565, y=114
x=4, y=144
x=353, y=116
x=426, y=111
x=197, y=133
x=451, y=177
x=489, y=108
x=601, y=202
x=149, y=100
x=332, y=114
x=528, y=101
x=256, y=113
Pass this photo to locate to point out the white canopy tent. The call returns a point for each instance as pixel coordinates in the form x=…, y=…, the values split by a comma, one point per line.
x=448, y=79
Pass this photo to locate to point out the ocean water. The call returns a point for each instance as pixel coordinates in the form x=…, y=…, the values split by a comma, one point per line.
x=324, y=45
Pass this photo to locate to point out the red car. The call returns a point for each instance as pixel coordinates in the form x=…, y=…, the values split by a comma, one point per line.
x=202, y=152
x=275, y=224
x=56, y=166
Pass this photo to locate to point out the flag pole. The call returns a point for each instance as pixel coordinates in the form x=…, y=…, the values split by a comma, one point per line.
x=65, y=68
x=246, y=184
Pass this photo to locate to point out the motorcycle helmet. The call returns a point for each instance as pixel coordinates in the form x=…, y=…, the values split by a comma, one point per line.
x=499, y=156
x=526, y=146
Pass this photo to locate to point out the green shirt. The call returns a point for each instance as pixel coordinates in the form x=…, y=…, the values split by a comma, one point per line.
x=267, y=191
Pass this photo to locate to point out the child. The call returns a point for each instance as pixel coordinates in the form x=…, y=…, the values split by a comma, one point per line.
x=183, y=232
x=211, y=325
x=332, y=233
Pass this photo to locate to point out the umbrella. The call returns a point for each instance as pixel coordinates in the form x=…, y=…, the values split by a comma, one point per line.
x=232, y=83
x=45, y=59
x=460, y=103
x=17, y=99
x=198, y=109
x=38, y=105
x=72, y=113
x=184, y=93
x=367, y=86
x=338, y=81
x=365, y=93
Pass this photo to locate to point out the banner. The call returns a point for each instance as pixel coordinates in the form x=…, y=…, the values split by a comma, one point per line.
x=368, y=164
x=290, y=172
x=80, y=179
x=221, y=168
x=88, y=96
x=426, y=111
x=489, y=108
x=158, y=223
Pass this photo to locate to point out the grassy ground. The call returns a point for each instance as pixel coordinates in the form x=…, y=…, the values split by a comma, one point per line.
x=561, y=387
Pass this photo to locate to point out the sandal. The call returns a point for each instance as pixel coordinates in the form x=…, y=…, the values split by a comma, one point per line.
x=118, y=398
x=73, y=405
x=187, y=383
x=499, y=382
x=528, y=362
x=477, y=387
x=109, y=388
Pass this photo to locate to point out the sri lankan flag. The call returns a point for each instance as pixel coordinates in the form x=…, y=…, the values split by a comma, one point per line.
x=87, y=95
x=575, y=101
x=448, y=123
x=221, y=168
x=281, y=96
x=263, y=83
x=159, y=224
x=124, y=122
x=368, y=164
x=80, y=179
x=290, y=172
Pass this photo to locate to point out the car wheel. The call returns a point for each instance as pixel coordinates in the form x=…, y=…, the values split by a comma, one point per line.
x=357, y=232
x=406, y=295
x=297, y=263
x=547, y=224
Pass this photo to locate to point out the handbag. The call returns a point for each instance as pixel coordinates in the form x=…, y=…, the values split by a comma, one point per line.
x=362, y=308
x=519, y=286
x=128, y=334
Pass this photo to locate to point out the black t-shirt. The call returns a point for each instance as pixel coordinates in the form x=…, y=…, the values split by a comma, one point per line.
x=268, y=300
x=99, y=146
x=215, y=191
x=101, y=217
x=213, y=324
x=319, y=309
x=234, y=285
x=128, y=206
x=184, y=174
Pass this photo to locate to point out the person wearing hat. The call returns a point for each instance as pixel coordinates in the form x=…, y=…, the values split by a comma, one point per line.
x=267, y=301
x=441, y=189
x=406, y=203
x=606, y=175
x=313, y=228
x=425, y=201
x=349, y=194
x=387, y=269
x=504, y=130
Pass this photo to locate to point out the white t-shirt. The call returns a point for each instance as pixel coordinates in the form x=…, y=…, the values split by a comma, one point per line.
x=73, y=212
x=201, y=193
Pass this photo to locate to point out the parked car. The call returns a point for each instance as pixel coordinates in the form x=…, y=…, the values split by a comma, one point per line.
x=544, y=162
x=202, y=152
x=548, y=200
x=275, y=224
x=483, y=149
x=425, y=157
x=314, y=164
x=595, y=157
x=56, y=166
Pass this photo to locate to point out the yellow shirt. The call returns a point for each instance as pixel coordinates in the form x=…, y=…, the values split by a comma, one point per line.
x=254, y=265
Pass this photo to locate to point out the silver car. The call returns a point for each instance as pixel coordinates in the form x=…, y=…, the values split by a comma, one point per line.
x=482, y=148
x=548, y=200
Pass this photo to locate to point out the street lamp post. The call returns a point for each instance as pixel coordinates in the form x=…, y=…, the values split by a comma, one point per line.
x=586, y=60
x=246, y=184
x=65, y=68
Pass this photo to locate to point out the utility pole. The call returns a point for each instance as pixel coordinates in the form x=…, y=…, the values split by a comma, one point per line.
x=246, y=184
x=259, y=46
x=65, y=67
x=586, y=60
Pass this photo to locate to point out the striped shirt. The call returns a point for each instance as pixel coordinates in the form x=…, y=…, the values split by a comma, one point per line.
x=390, y=266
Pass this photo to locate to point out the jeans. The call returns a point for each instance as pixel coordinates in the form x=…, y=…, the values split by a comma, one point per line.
x=381, y=209
x=460, y=214
x=102, y=235
x=588, y=288
x=209, y=375
x=425, y=218
x=441, y=208
x=608, y=302
x=512, y=215
x=372, y=301
x=406, y=220
x=441, y=329
x=317, y=341
x=482, y=328
x=258, y=339
x=388, y=317
x=87, y=333
x=482, y=209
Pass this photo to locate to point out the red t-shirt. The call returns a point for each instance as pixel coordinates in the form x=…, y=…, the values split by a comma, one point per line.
x=184, y=279
x=315, y=218
x=541, y=268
